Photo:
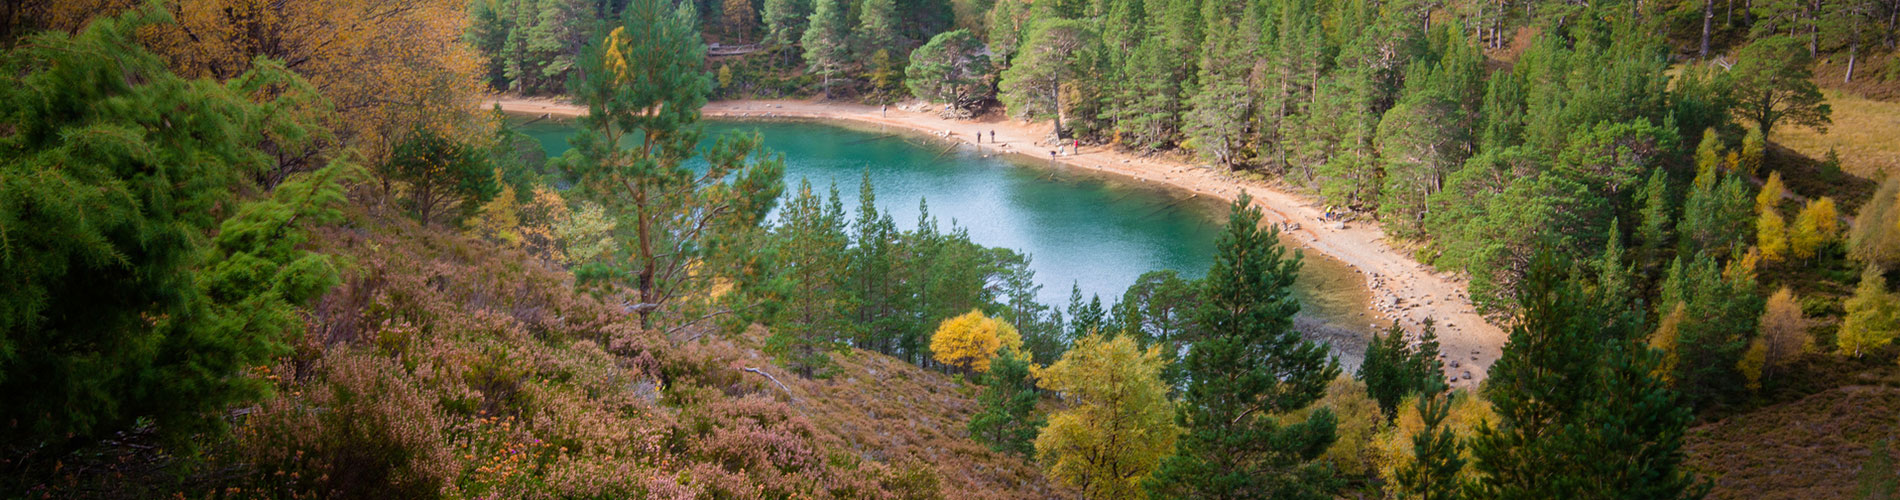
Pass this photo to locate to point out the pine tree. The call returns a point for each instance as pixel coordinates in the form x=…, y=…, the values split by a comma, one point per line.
x=812, y=258
x=826, y=42
x=1250, y=366
x=1007, y=421
x=1426, y=135
x=785, y=21
x=1053, y=55
x=876, y=285
x=1218, y=115
x=1581, y=410
x=134, y=283
x=441, y=177
x=951, y=68
x=1394, y=369
x=1774, y=85
x=877, y=26
x=646, y=80
x=1433, y=472
x=1877, y=479
x=1538, y=386
x=740, y=17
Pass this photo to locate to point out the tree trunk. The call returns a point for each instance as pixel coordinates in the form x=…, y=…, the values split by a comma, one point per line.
x=1814, y=28
x=1055, y=96
x=1853, y=50
x=1708, y=16
x=1892, y=11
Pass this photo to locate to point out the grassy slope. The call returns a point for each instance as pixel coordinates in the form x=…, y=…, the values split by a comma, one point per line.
x=887, y=409
x=1808, y=448
x=875, y=410
x=1826, y=412
x=1866, y=133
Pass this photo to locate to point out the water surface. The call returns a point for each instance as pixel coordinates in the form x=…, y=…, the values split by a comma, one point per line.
x=1094, y=231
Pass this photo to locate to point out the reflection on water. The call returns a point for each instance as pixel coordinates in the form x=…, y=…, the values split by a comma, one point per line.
x=1095, y=231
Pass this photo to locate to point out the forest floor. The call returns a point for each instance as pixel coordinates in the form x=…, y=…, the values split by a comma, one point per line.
x=1402, y=289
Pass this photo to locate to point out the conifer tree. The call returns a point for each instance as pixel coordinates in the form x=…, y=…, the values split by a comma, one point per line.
x=1219, y=113
x=1008, y=421
x=877, y=26
x=785, y=21
x=1581, y=411
x=812, y=256
x=1394, y=369
x=951, y=68
x=1053, y=55
x=134, y=283
x=1774, y=85
x=1433, y=472
x=826, y=42
x=644, y=84
x=1250, y=366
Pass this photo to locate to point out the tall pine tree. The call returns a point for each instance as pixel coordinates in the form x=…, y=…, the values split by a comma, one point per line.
x=1250, y=366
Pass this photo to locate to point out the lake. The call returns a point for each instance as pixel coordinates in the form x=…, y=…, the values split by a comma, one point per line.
x=1094, y=231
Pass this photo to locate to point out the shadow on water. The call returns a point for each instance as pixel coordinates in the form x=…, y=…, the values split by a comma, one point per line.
x=1096, y=231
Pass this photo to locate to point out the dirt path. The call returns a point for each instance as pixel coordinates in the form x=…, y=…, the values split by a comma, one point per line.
x=1402, y=288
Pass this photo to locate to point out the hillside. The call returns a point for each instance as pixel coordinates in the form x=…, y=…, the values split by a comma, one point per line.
x=447, y=363
x=531, y=351
x=1810, y=448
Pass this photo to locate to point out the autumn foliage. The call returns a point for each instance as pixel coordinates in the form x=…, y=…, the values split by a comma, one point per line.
x=1120, y=425
x=970, y=341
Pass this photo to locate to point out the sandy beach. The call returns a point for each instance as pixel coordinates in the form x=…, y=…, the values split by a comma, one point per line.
x=1402, y=288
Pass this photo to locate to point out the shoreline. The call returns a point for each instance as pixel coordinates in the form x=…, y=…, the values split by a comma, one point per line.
x=1402, y=289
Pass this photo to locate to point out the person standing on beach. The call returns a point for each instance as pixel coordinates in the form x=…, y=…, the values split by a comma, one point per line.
x=885, y=109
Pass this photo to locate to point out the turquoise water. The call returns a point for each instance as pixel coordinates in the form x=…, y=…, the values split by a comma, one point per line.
x=1094, y=231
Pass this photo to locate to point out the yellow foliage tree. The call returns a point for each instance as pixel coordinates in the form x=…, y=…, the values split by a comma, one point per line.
x=386, y=65
x=1360, y=426
x=970, y=341
x=545, y=211
x=1393, y=444
x=1664, y=339
x=1120, y=425
x=1771, y=235
x=1817, y=225
x=1770, y=193
x=499, y=219
x=1784, y=329
x=587, y=234
x=1871, y=316
x=1754, y=361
